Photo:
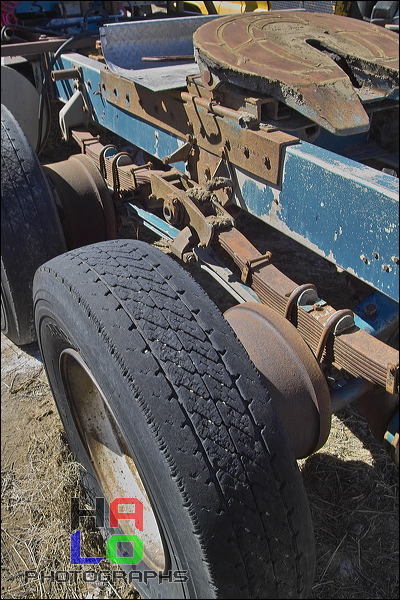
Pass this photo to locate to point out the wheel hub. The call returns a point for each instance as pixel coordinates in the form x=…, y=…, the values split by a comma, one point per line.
x=107, y=449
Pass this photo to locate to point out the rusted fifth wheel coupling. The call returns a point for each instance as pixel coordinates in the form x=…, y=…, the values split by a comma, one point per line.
x=323, y=66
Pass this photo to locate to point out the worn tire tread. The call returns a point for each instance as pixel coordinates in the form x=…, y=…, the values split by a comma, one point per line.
x=230, y=455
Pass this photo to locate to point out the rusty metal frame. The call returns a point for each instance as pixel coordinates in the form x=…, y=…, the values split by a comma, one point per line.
x=352, y=349
x=216, y=129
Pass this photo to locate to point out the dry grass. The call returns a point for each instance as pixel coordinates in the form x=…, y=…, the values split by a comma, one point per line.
x=352, y=487
x=36, y=527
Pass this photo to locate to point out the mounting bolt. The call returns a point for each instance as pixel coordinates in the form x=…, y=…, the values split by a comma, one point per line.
x=375, y=255
x=317, y=307
x=386, y=268
x=364, y=259
x=189, y=257
x=395, y=259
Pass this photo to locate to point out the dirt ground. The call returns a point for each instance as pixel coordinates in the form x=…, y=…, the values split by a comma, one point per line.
x=351, y=483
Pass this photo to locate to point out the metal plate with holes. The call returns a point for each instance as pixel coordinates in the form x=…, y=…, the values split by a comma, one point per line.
x=320, y=65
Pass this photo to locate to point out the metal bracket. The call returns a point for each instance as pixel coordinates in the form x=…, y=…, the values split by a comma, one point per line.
x=114, y=169
x=193, y=215
x=249, y=264
x=182, y=154
x=102, y=157
x=182, y=243
x=74, y=114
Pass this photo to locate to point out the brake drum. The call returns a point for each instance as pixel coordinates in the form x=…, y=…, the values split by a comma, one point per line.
x=289, y=371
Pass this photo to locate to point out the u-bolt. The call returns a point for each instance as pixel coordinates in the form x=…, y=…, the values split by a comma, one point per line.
x=114, y=169
x=295, y=295
x=102, y=157
x=331, y=326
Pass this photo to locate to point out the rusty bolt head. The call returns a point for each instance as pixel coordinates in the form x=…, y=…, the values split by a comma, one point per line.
x=189, y=257
x=386, y=268
x=395, y=259
x=317, y=307
x=175, y=201
x=364, y=259
x=375, y=255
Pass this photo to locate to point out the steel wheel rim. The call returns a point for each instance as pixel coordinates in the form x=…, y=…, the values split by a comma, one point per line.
x=107, y=450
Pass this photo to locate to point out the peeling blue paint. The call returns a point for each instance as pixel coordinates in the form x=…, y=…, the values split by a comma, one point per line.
x=258, y=200
x=350, y=218
x=154, y=140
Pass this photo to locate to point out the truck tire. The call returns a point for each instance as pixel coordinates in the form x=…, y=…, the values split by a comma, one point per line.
x=31, y=232
x=143, y=366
